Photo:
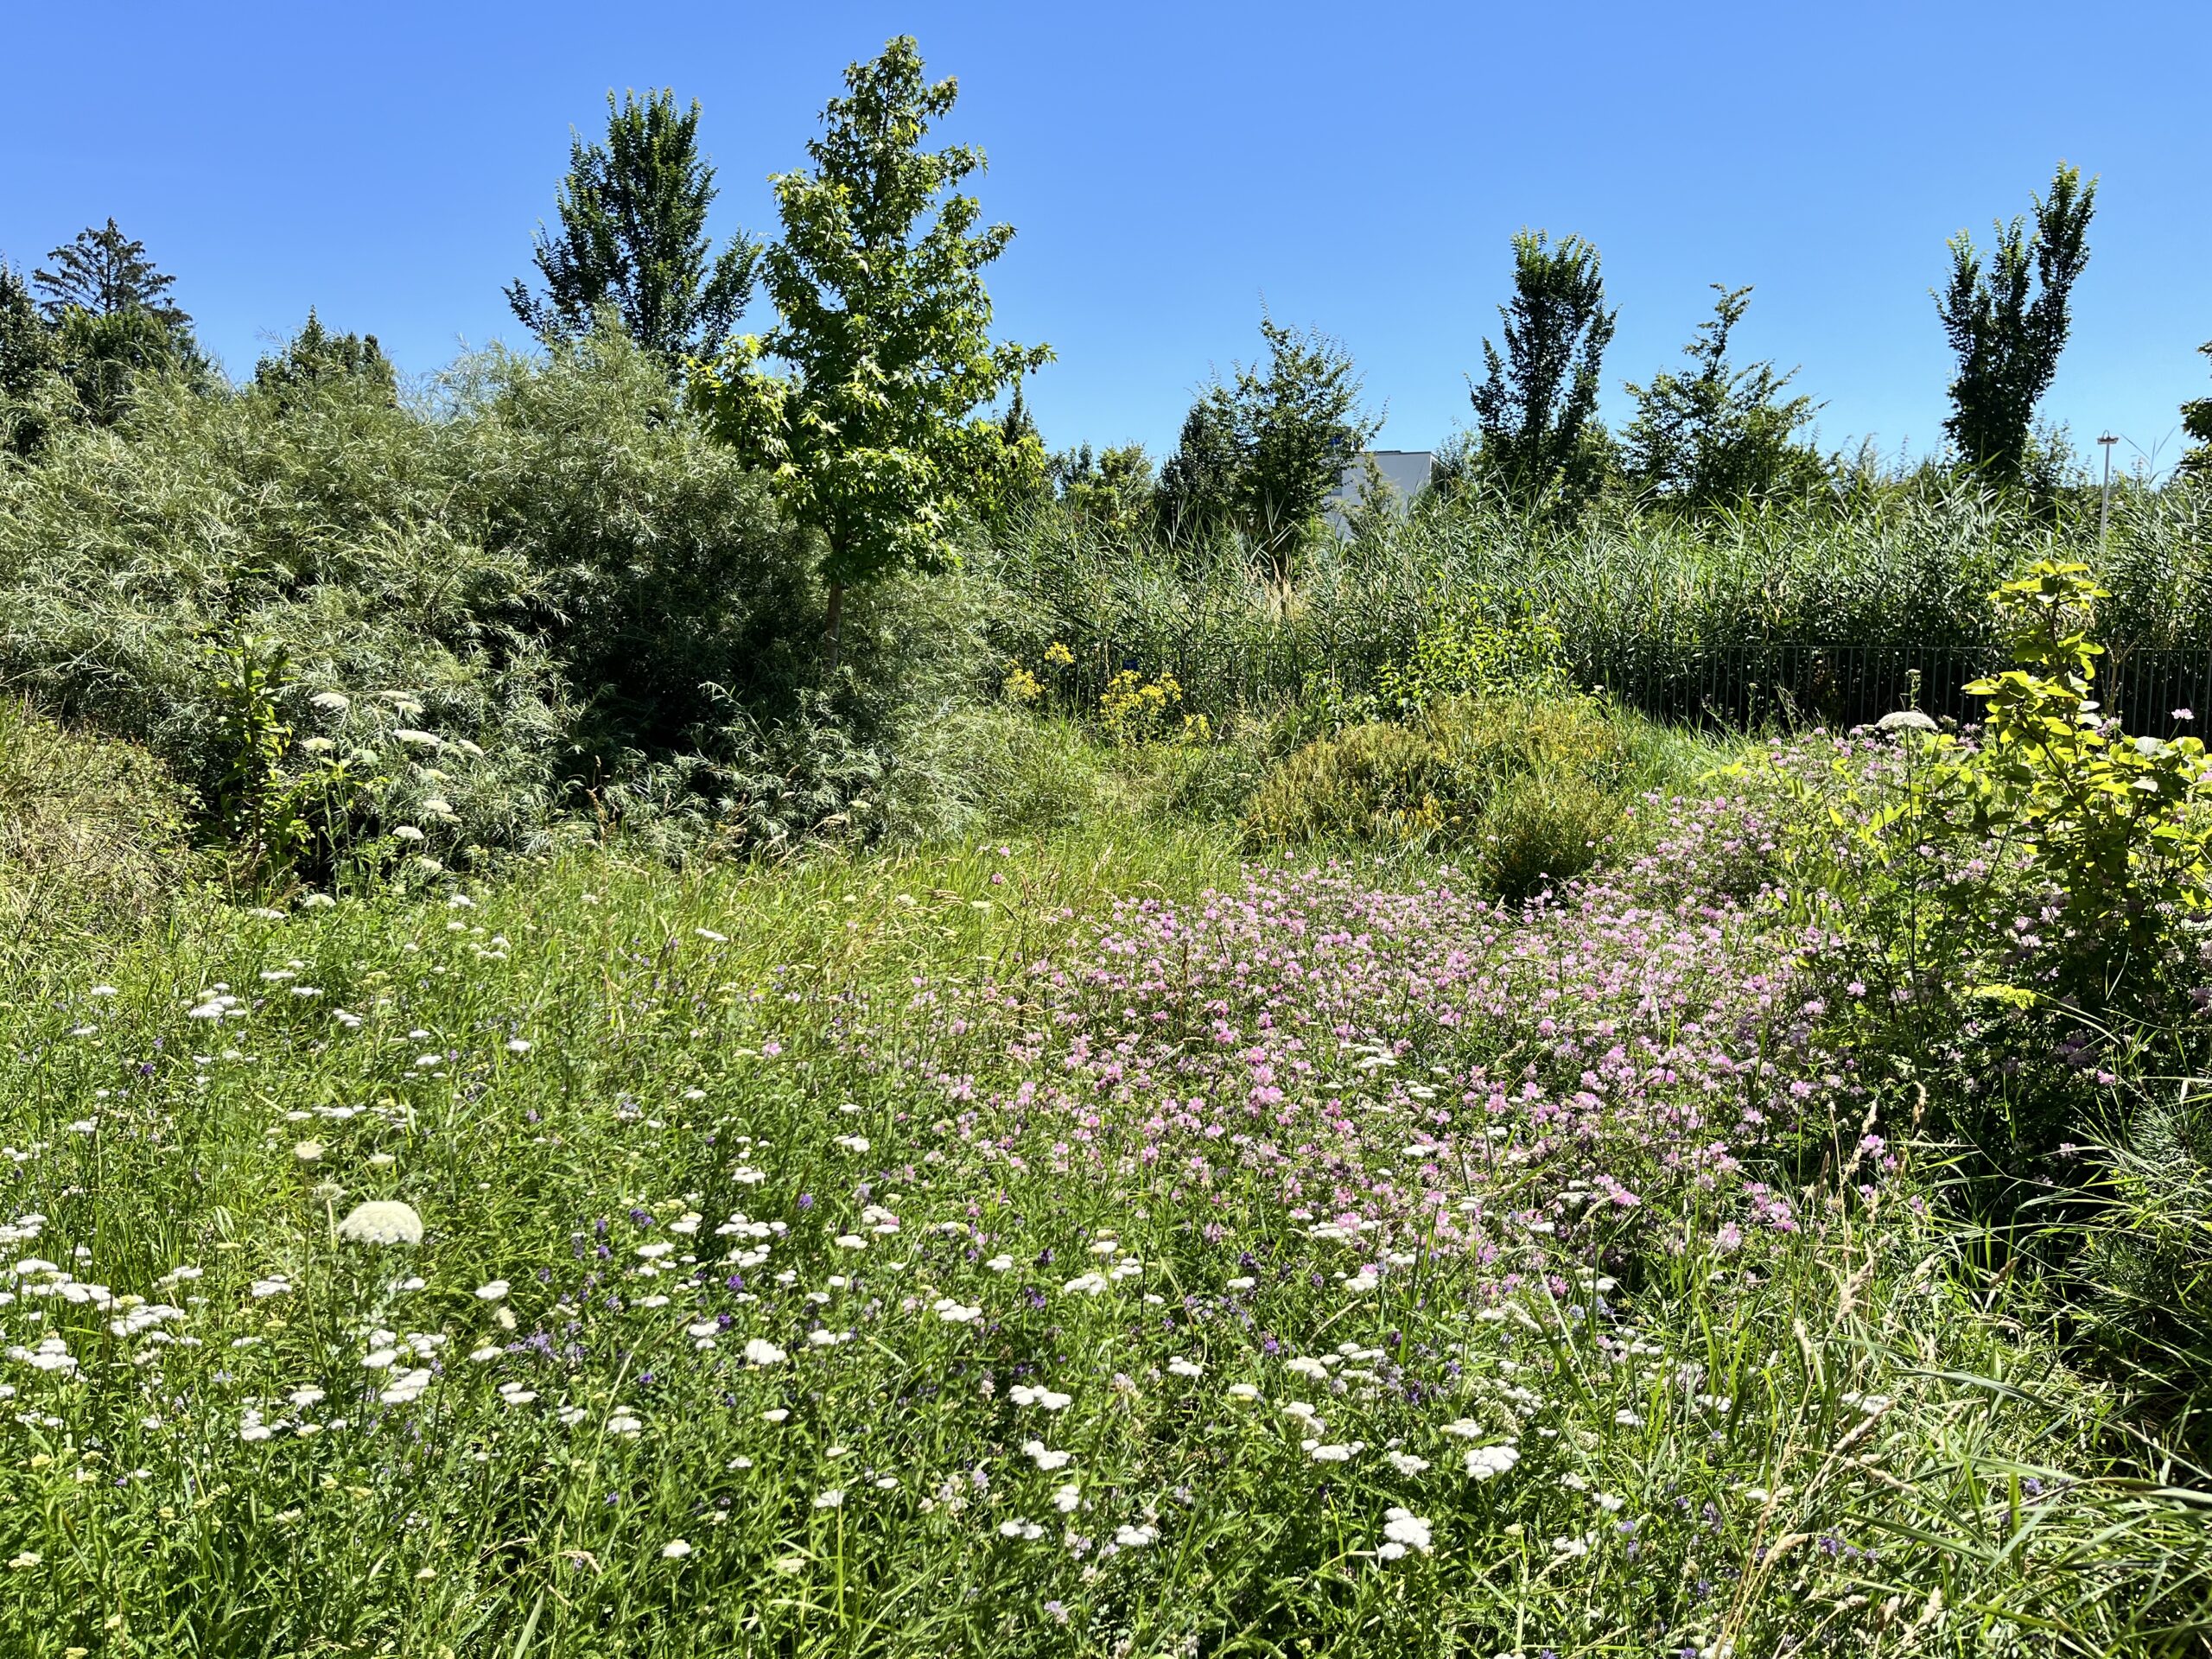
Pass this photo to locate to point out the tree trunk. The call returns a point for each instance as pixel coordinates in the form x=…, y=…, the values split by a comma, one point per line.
x=829, y=638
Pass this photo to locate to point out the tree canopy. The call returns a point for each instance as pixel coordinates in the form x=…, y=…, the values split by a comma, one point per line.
x=2006, y=342
x=877, y=433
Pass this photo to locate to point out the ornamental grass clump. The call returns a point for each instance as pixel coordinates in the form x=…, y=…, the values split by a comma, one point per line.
x=1527, y=788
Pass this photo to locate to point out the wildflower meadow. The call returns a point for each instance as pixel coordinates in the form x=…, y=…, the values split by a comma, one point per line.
x=668, y=994
x=1028, y=1248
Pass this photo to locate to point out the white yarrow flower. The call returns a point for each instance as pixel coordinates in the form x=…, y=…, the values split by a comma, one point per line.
x=1407, y=1531
x=1484, y=1461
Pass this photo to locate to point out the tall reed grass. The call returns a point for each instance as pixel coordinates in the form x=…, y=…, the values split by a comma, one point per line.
x=1639, y=599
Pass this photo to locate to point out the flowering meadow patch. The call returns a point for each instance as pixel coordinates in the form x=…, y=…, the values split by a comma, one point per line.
x=1034, y=1250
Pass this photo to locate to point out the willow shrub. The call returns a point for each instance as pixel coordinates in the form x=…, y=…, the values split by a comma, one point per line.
x=546, y=566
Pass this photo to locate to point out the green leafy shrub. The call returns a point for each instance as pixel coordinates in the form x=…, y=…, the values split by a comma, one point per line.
x=1376, y=782
x=2117, y=824
x=1480, y=644
x=1933, y=862
x=590, y=605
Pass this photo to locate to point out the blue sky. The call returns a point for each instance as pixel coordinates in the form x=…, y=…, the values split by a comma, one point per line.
x=1172, y=168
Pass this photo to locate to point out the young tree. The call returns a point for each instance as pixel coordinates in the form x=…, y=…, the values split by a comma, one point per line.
x=1267, y=451
x=2196, y=421
x=1198, y=483
x=26, y=342
x=27, y=351
x=2008, y=344
x=104, y=272
x=315, y=356
x=633, y=217
x=112, y=319
x=1717, y=435
x=878, y=436
x=1535, y=406
x=1111, y=489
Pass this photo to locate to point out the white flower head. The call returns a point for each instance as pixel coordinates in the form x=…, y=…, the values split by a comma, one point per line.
x=1485, y=1461
x=491, y=1290
x=675, y=1550
x=758, y=1352
x=1407, y=1531
x=382, y=1221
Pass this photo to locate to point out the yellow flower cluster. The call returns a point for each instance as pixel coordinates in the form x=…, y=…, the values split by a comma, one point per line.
x=1136, y=710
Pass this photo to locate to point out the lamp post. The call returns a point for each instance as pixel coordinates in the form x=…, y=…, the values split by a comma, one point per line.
x=2104, y=496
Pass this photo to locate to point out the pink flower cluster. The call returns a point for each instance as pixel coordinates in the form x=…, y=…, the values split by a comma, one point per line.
x=1418, y=1072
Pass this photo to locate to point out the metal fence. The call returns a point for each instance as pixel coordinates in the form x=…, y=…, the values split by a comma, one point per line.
x=2155, y=692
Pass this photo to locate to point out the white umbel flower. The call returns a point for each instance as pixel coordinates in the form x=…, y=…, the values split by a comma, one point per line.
x=382, y=1221
x=1404, y=1530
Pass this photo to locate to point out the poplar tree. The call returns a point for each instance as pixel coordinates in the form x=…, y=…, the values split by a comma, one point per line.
x=1536, y=404
x=2007, y=323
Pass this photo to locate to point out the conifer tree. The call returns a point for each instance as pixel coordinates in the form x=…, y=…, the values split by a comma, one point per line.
x=104, y=272
x=633, y=236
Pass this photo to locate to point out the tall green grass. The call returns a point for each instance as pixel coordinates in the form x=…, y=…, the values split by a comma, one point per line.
x=1908, y=567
